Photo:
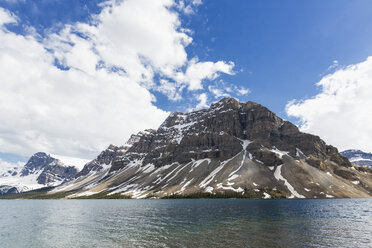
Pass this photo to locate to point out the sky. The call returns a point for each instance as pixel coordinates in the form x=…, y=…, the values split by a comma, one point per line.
x=78, y=75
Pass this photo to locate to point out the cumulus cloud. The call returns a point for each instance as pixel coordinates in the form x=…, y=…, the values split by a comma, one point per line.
x=243, y=91
x=5, y=166
x=218, y=92
x=141, y=37
x=198, y=71
x=188, y=7
x=202, y=98
x=171, y=90
x=77, y=90
x=341, y=113
x=222, y=89
x=334, y=65
x=14, y=1
x=70, y=112
x=6, y=17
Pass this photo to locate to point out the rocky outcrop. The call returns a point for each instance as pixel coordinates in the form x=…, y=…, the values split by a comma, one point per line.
x=229, y=147
x=216, y=133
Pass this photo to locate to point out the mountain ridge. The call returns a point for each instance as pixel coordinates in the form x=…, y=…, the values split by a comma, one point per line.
x=358, y=157
x=231, y=146
x=41, y=170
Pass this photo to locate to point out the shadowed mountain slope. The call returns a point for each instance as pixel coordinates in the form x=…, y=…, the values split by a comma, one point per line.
x=231, y=146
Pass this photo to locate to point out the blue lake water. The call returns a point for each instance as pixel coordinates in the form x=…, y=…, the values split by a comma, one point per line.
x=186, y=223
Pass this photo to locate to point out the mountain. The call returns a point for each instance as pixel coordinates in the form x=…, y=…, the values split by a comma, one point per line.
x=41, y=170
x=358, y=157
x=230, y=147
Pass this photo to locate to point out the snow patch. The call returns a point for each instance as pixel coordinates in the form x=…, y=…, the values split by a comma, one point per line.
x=185, y=186
x=239, y=189
x=250, y=156
x=232, y=177
x=148, y=168
x=259, y=161
x=199, y=162
x=210, y=177
x=266, y=195
x=208, y=189
x=278, y=152
x=299, y=153
x=244, y=144
x=278, y=176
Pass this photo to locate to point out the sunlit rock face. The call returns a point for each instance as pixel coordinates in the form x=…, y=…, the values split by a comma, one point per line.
x=231, y=146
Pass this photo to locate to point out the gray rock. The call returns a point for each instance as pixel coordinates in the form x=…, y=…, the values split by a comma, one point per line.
x=230, y=146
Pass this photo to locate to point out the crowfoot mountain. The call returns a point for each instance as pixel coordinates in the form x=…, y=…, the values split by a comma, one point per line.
x=230, y=147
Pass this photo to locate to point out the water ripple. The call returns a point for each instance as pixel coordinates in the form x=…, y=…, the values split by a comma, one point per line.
x=186, y=223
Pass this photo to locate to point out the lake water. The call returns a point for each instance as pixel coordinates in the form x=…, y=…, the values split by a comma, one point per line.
x=186, y=223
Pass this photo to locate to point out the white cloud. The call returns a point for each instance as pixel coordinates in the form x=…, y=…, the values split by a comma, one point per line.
x=171, y=90
x=341, y=113
x=144, y=38
x=202, y=98
x=242, y=91
x=69, y=112
x=217, y=92
x=188, y=6
x=103, y=94
x=6, y=17
x=334, y=65
x=196, y=72
x=222, y=89
x=197, y=2
x=5, y=166
x=14, y=1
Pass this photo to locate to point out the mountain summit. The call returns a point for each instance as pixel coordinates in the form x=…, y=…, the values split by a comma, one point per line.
x=231, y=146
x=358, y=157
x=41, y=170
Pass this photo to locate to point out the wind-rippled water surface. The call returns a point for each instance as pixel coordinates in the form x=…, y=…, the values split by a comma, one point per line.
x=186, y=223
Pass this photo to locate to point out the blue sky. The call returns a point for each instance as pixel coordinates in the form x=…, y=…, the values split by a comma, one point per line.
x=280, y=48
x=283, y=47
x=276, y=50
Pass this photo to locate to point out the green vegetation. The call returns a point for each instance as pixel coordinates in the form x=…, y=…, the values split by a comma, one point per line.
x=248, y=193
x=43, y=194
x=104, y=195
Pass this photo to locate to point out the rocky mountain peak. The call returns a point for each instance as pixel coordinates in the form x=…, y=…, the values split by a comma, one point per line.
x=226, y=102
x=229, y=146
x=41, y=170
x=37, y=162
x=358, y=157
x=48, y=169
x=218, y=133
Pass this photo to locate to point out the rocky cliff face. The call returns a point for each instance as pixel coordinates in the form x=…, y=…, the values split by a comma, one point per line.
x=41, y=170
x=231, y=146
